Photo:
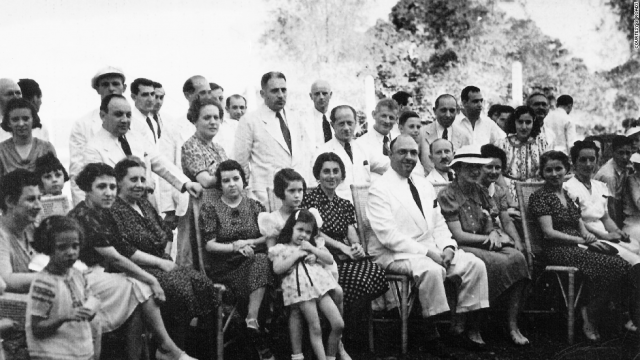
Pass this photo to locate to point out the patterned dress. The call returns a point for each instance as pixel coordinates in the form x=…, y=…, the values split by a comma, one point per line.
x=602, y=271
x=198, y=156
x=361, y=280
x=189, y=293
x=225, y=224
x=523, y=158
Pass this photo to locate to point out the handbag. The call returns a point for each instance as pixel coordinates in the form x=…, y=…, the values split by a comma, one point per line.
x=609, y=250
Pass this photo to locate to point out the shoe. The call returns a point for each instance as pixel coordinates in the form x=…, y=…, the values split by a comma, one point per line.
x=517, y=338
x=437, y=348
x=260, y=344
x=342, y=353
x=464, y=342
x=630, y=327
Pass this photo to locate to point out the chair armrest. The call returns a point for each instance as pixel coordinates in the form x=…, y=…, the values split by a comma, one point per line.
x=568, y=269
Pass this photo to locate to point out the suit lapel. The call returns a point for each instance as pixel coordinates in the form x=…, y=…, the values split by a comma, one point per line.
x=403, y=194
x=273, y=128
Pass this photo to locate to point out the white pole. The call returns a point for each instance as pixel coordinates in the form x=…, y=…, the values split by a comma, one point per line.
x=516, y=83
x=369, y=97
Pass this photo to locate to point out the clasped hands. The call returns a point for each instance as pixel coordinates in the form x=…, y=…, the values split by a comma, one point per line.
x=244, y=247
x=443, y=259
x=355, y=252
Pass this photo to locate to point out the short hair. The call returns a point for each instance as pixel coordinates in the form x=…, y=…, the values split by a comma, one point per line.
x=494, y=109
x=11, y=186
x=553, y=155
x=406, y=115
x=619, y=141
x=104, y=104
x=235, y=96
x=582, y=145
x=188, y=86
x=271, y=75
x=156, y=85
x=437, y=102
x=48, y=163
x=437, y=141
x=29, y=88
x=135, y=85
x=464, y=95
x=332, y=115
x=595, y=138
x=19, y=103
x=388, y=103
x=301, y=215
x=283, y=178
x=492, y=151
x=229, y=165
x=506, y=109
x=326, y=157
x=194, y=109
x=214, y=86
x=44, y=237
x=510, y=126
x=537, y=93
x=90, y=173
x=122, y=167
x=402, y=98
x=563, y=100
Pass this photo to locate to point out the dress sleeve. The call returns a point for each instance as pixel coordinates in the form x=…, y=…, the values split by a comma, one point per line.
x=278, y=253
x=539, y=205
x=268, y=225
x=42, y=296
x=449, y=205
x=193, y=159
x=350, y=214
x=208, y=222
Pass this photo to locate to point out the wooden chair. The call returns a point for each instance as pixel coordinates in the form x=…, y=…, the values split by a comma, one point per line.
x=532, y=236
x=401, y=283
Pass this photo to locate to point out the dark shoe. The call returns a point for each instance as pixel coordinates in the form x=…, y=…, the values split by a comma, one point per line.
x=436, y=348
x=464, y=342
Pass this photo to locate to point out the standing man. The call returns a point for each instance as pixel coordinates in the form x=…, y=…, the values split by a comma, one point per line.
x=31, y=91
x=217, y=92
x=559, y=123
x=236, y=106
x=540, y=105
x=377, y=140
x=144, y=100
x=9, y=89
x=320, y=130
x=441, y=154
x=108, y=80
x=445, y=109
x=404, y=100
x=159, y=91
x=479, y=128
x=271, y=138
x=614, y=173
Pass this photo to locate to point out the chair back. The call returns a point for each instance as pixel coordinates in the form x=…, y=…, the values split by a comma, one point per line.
x=208, y=195
x=440, y=186
x=275, y=202
x=360, y=195
x=532, y=232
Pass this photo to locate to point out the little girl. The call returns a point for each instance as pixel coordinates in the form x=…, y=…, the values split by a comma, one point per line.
x=305, y=282
x=60, y=306
x=52, y=176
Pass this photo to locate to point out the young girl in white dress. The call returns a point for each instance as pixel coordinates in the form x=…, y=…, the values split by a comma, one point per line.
x=305, y=282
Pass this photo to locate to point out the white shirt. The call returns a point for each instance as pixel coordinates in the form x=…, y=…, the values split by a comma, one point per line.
x=371, y=143
x=559, y=123
x=82, y=130
x=140, y=126
x=226, y=136
x=315, y=131
x=177, y=132
x=485, y=131
x=436, y=177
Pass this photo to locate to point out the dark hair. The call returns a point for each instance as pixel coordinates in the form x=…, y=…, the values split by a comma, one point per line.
x=437, y=102
x=122, y=167
x=90, y=173
x=188, y=85
x=582, y=145
x=595, y=138
x=510, y=126
x=11, y=186
x=135, y=85
x=44, y=237
x=388, y=103
x=402, y=97
x=194, y=109
x=283, y=178
x=332, y=115
x=464, y=95
x=506, y=109
x=494, y=109
x=325, y=157
x=104, y=104
x=492, y=151
x=156, y=85
x=302, y=215
x=235, y=96
x=29, y=88
x=406, y=115
x=48, y=163
x=229, y=165
x=619, y=141
x=271, y=75
x=554, y=155
x=214, y=86
x=19, y=103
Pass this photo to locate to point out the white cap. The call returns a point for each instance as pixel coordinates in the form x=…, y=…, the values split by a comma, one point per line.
x=105, y=71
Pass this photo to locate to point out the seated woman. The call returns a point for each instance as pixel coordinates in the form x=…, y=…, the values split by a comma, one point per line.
x=631, y=202
x=22, y=149
x=565, y=237
x=141, y=230
x=472, y=217
x=235, y=251
x=126, y=287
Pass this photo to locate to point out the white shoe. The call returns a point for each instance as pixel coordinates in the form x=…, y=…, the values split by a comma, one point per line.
x=342, y=352
x=629, y=326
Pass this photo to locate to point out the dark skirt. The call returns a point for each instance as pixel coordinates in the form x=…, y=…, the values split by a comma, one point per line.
x=252, y=274
x=361, y=280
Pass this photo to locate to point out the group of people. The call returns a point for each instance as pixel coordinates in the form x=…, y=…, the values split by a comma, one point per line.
x=133, y=176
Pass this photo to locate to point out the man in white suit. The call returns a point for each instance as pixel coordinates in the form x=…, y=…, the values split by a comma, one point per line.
x=318, y=127
x=144, y=99
x=270, y=138
x=376, y=141
x=357, y=165
x=412, y=238
x=114, y=142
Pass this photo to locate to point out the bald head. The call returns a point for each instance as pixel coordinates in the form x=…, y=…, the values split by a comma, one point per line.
x=9, y=89
x=404, y=155
x=196, y=86
x=321, y=95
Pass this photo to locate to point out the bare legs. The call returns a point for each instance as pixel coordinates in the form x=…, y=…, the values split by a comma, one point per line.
x=515, y=299
x=153, y=320
x=310, y=311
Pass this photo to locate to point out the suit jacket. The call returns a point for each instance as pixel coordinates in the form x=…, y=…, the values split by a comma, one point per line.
x=170, y=146
x=371, y=143
x=261, y=150
x=432, y=132
x=401, y=231
x=83, y=129
x=140, y=126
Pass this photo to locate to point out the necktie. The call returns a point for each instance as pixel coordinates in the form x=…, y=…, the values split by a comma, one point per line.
x=151, y=127
x=155, y=117
x=125, y=145
x=347, y=148
x=285, y=131
x=326, y=128
x=445, y=134
x=385, y=146
x=416, y=196
x=450, y=176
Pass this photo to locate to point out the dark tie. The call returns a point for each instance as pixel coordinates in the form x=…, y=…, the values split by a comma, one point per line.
x=450, y=176
x=416, y=196
x=326, y=128
x=155, y=117
x=151, y=127
x=445, y=134
x=285, y=131
x=347, y=148
x=385, y=146
x=125, y=145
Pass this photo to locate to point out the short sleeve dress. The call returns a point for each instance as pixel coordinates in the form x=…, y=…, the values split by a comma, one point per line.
x=199, y=156
x=474, y=210
x=523, y=158
x=602, y=271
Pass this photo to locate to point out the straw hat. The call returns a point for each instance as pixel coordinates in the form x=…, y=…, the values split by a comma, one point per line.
x=469, y=154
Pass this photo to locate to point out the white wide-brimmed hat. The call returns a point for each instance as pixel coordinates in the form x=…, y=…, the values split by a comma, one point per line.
x=635, y=158
x=632, y=131
x=469, y=154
